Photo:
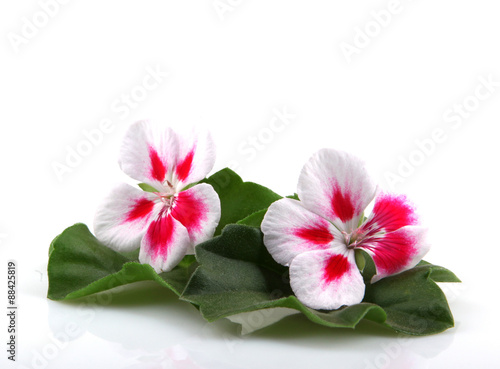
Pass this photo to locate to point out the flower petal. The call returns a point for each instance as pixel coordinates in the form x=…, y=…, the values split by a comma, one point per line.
x=198, y=209
x=290, y=229
x=336, y=185
x=149, y=153
x=390, y=213
x=165, y=243
x=326, y=279
x=397, y=251
x=123, y=217
x=196, y=158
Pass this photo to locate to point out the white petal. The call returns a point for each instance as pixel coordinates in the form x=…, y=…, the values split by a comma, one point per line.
x=198, y=209
x=123, y=217
x=164, y=244
x=149, y=152
x=196, y=158
x=336, y=185
x=326, y=279
x=290, y=229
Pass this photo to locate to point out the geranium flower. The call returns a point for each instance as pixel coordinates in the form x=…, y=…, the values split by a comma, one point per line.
x=319, y=235
x=166, y=224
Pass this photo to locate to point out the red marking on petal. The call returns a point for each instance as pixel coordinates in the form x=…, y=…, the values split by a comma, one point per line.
x=158, y=168
x=184, y=167
x=189, y=210
x=159, y=236
x=393, y=212
x=335, y=267
x=319, y=234
x=141, y=209
x=393, y=251
x=342, y=204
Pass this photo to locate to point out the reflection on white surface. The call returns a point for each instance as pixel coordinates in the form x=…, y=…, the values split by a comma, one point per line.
x=258, y=319
x=145, y=326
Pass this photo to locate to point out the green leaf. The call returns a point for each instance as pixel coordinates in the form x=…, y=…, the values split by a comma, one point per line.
x=253, y=220
x=131, y=255
x=237, y=274
x=414, y=303
x=80, y=265
x=360, y=259
x=238, y=199
x=147, y=188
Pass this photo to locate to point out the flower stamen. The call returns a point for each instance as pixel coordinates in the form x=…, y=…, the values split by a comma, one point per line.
x=353, y=239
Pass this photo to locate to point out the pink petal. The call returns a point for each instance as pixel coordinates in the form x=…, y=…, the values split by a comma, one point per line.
x=158, y=170
x=336, y=185
x=185, y=165
x=123, y=217
x=390, y=213
x=290, y=229
x=397, y=251
x=326, y=279
x=196, y=158
x=165, y=243
x=149, y=152
x=198, y=210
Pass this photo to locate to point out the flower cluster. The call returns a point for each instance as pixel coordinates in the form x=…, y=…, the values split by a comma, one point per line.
x=169, y=221
x=320, y=236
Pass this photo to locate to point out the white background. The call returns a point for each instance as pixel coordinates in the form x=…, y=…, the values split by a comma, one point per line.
x=229, y=69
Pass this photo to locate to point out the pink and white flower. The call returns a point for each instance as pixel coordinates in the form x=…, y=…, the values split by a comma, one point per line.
x=166, y=224
x=319, y=235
